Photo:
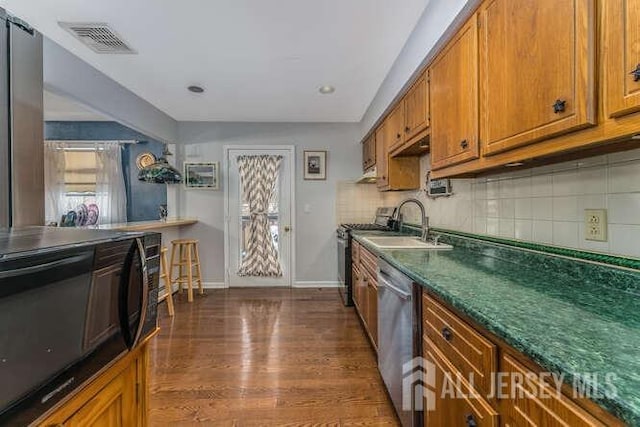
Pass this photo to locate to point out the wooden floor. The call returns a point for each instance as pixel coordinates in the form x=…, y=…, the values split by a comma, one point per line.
x=265, y=357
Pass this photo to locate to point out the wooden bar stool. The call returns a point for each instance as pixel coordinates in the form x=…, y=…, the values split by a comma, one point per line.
x=167, y=281
x=188, y=258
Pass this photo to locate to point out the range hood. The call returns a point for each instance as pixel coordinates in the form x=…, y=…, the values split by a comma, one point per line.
x=369, y=177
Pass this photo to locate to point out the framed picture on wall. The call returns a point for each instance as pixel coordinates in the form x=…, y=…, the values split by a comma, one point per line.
x=315, y=165
x=203, y=176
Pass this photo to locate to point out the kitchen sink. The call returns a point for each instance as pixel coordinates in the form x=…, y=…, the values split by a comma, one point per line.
x=404, y=242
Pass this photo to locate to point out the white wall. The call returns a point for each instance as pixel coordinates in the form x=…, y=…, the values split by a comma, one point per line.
x=437, y=17
x=315, y=231
x=67, y=75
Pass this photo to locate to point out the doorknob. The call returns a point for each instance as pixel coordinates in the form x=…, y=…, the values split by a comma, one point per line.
x=287, y=228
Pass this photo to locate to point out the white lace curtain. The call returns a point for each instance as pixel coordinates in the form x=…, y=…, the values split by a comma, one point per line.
x=111, y=193
x=111, y=196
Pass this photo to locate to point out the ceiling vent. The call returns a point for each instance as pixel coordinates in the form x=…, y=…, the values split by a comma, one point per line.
x=98, y=36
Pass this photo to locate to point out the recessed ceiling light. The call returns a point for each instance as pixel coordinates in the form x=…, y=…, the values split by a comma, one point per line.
x=195, y=89
x=326, y=89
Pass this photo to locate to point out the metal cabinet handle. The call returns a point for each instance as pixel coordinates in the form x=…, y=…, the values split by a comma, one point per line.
x=471, y=421
x=464, y=144
x=636, y=73
x=398, y=135
x=407, y=129
x=447, y=334
x=559, y=106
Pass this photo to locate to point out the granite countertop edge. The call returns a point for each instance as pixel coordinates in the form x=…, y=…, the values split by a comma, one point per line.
x=616, y=407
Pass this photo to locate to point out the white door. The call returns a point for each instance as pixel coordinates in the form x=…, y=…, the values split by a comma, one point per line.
x=238, y=217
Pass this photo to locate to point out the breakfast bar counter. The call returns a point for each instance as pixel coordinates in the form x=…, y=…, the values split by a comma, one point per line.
x=149, y=225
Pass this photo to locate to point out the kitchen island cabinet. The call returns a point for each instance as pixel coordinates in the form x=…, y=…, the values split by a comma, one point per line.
x=116, y=397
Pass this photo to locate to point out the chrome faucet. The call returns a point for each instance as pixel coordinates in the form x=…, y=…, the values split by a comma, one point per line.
x=425, y=219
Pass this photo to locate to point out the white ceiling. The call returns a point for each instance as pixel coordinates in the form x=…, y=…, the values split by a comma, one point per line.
x=59, y=108
x=258, y=60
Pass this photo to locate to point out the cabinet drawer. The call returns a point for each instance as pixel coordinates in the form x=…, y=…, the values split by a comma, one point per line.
x=355, y=252
x=369, y=262
x=531, y=402
x=455, y=402
x=472, y=354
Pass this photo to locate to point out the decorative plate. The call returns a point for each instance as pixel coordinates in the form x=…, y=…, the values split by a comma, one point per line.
x=82, y=214
x=145, y=159
x=94, y=214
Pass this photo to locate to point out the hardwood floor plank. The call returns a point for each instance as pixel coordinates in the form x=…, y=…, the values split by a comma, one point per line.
x=265, y=357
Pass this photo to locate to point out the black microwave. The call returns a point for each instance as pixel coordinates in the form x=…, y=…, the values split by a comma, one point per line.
x=67, y=312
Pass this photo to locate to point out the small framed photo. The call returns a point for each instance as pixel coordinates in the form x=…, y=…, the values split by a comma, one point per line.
x=315, y=165
x=203, y=176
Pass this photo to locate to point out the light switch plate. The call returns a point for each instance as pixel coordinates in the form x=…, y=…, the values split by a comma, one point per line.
x=595, y=223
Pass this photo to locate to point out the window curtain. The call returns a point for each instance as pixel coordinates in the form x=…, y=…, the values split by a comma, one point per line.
x=54, y=187
x=111, y=193
x=258, y=178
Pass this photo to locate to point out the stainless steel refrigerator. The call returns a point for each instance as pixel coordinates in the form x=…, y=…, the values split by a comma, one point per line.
x=21, y=124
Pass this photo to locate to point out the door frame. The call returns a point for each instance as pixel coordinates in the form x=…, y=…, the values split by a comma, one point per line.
x=225, y=185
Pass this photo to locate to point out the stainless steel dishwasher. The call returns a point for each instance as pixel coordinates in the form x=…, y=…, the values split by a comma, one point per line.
x=398, y=334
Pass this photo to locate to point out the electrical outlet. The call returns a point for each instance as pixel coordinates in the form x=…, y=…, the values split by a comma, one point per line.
x=595, y=223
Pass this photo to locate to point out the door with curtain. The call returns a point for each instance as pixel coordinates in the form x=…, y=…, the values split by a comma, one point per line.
x=259, y=216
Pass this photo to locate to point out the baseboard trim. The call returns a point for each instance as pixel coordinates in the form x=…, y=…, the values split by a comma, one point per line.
x=298, y=284
x=316, y=284
x=214, y=285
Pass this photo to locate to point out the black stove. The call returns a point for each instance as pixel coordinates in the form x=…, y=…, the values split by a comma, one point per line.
x=383, y=219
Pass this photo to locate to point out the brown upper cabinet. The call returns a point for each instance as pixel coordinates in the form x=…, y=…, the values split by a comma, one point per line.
x=416, y=108
x=382, y=156
x=394, y=173
x=369, y=152
x=454, y=100
x=537, y=70
x=622, y=61
x=395, y=127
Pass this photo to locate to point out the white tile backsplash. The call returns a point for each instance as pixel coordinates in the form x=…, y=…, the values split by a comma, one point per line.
x=624, y=208
x=565, y=208
x=546, y=204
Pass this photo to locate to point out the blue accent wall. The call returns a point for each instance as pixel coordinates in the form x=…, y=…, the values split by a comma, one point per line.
x=143, y=198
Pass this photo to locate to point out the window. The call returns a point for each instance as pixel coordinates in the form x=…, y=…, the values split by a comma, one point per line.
x=84, y=172
x=80, y=176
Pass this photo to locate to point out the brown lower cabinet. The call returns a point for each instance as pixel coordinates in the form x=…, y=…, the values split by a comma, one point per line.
x=463, y=391
x=117, y=397
x=365, y=291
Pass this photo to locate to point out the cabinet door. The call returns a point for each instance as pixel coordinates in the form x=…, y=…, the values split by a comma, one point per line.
x=364, y=297
x=115, y=405
x=455, y=402
x=454, y=100
x=395, y=127
x=382, y=156
x=372, y=321
x=369, y=152
x=416, y=108
x=356, y=280
x=622, y=56
x=537, y=70
x=534, y=403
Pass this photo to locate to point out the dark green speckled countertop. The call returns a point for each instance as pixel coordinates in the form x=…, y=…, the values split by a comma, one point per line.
x=574, y=318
